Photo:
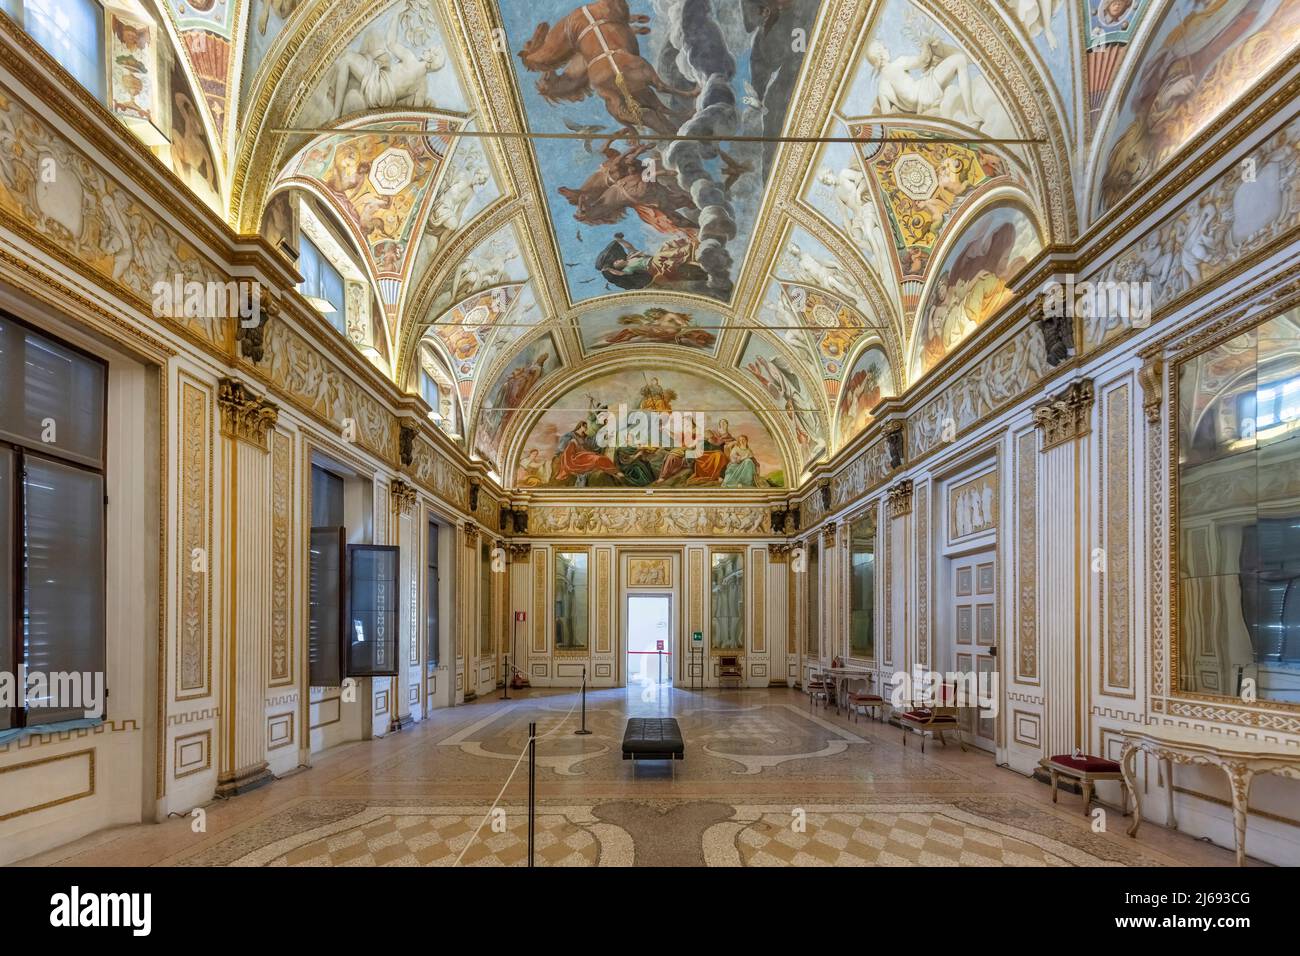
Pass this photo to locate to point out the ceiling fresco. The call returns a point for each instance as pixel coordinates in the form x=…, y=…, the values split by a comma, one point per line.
x=795, y=285
x=1202, y=56
x=643, y=215
x=717, y=440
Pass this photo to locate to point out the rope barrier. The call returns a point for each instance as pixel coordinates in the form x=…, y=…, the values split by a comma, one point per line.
x=531, y=740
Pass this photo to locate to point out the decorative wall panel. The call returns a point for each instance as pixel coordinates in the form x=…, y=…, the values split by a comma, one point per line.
x=1116, y=609
x=1027, y=557
x=281, y=665
x=194, y=556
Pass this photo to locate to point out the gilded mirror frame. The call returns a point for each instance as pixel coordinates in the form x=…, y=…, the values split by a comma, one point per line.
x=871, y=511
x=743, y=553
x=554, y=566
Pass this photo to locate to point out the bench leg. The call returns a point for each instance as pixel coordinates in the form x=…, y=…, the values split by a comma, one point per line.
x=1087, y=795
x=1055, y=777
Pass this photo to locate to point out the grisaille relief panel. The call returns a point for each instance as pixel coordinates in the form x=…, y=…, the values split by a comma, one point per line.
x=55, y=191
x=973, y=507
x=1242, y=211
x=692, y=521
x=649, y=572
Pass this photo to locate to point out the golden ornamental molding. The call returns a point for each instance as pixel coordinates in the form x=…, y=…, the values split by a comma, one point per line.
x=828, y=534
x=245, y=416
x=1066, y=415
x=899, y=500
x=471, y=534
x=519, y=550
x=778, y=553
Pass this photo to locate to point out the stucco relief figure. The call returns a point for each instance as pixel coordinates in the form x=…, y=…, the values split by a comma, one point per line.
x=281, y=8
x=935, y=81
x=384, y=73
x=1036, y=17
x=486, y=268
x=448, y=213
x=861, y=218
x=806, y=267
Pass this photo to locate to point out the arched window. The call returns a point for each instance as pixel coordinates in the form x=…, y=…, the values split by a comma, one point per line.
x=72, y=31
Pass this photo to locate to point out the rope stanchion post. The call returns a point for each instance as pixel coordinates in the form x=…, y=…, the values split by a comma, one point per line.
x=505, y=684
x=532, y=788
x=582, y=731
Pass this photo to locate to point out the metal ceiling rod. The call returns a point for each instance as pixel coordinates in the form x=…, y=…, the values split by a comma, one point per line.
x=648, y=137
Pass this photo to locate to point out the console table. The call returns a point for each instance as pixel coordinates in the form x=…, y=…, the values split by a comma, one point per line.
x=1240, y=759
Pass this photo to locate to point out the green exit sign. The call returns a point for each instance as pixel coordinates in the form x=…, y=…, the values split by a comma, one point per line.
x=697, y=637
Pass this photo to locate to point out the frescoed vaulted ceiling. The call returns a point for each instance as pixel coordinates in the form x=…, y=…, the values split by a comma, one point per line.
x=622, y=255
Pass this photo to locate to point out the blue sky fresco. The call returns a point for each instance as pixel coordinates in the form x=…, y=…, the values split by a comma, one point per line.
x=569, y=163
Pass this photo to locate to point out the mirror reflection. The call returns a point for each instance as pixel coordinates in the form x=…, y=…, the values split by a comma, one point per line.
x=862, y=587
x=571, y=600
x=727, y=601
x=1239, y=516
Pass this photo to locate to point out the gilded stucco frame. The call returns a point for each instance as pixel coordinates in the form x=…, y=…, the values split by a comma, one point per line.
x=871, y=510
x=553, y=562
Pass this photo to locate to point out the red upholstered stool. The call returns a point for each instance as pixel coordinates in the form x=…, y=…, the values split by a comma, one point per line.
x=1087, y=769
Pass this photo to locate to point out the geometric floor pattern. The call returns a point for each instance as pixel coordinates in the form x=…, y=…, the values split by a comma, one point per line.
x=767, y=781
x=886, y=836
x=383, y=836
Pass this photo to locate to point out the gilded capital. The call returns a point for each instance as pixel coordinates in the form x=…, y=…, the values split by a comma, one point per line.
x=403, y=495
x=899, y=500
x=245, y=416
x=1065, y=416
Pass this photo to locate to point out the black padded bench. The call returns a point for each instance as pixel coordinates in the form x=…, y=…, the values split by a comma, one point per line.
x=653, y=738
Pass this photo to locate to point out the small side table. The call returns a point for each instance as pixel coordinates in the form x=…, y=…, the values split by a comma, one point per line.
x=1087, y=769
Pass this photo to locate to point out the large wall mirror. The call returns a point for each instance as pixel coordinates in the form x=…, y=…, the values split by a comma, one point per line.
x=727, y=601
x=862, y=587
x=1238, y=532
x=812, y=606
x=571, y=600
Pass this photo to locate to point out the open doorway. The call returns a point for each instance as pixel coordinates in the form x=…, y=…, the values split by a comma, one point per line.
x=649, y=660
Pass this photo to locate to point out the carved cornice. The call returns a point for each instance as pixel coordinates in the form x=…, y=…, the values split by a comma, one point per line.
x=1151, y=378
x=1066, y=415
x=403, y=495
x=245, y=416
x=899, y=500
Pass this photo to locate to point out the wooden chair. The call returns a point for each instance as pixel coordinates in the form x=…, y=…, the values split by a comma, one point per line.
x=862, y=700
x=819, y=686
x=937, y=718
x=730, y=672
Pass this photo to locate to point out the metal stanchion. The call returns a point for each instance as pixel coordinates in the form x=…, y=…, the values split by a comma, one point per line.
x=505, y=684
x=532, y=787
x=583, y=731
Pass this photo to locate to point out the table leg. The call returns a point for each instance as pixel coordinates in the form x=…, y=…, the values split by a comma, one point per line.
x=1239, y=778
x=1169, y=795
x=1128, y=766
x=1055, y=778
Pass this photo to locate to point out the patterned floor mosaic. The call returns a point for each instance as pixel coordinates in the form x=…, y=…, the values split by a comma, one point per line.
x=767, y=781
